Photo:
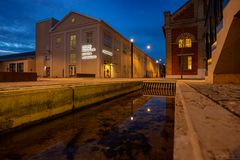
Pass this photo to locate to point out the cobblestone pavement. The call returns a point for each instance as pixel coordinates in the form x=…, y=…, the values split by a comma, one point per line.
x=214, y=131
x=226, y=95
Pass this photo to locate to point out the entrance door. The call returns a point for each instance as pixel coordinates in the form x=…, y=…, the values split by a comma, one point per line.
x=72, y=71
x=107, y=71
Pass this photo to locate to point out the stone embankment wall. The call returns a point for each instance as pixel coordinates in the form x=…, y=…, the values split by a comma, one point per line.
x=23, y=107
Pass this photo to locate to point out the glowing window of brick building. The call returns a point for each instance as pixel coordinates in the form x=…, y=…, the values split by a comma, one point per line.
x=73, y=42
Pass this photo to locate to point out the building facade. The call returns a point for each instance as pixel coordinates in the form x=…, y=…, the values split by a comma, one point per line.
x=21, y=62
x=222, y=36
x=185, y=41
x=82, y=46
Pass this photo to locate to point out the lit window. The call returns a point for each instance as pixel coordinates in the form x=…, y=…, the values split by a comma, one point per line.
x=185, y=43
x=73, y=42
x=58, y=41
x=185, y=63
x=73, y=20
x=188, y=43
x=189, y=62
x=180, y=43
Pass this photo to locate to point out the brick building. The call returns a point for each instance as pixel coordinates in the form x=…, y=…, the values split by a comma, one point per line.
x=185, y=43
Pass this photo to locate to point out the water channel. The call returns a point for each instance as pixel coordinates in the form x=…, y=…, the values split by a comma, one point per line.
x=132, y=127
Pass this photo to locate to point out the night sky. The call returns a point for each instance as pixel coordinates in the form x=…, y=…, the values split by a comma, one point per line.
x=138, y=19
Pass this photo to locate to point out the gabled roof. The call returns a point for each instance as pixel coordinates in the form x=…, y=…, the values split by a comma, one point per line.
x=18, y=56
x=73, y=12
x=181, y=8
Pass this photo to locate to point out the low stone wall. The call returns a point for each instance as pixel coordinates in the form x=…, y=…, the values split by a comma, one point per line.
x=25, y=106
x=17, y=76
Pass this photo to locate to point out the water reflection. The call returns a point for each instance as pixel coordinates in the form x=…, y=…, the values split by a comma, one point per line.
x=132, y=127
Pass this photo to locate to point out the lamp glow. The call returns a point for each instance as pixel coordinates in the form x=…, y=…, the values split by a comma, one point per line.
x=132, y=40
x=148, y=47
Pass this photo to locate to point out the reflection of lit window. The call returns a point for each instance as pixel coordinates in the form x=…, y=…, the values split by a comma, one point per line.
x=189, y=62
x=73, y=42
x=185, y=43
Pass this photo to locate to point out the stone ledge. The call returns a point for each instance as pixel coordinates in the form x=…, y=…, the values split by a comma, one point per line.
x=214, y=132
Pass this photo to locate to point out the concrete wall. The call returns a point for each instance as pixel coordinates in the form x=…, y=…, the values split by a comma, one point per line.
x=225, y=57
x=26, y=106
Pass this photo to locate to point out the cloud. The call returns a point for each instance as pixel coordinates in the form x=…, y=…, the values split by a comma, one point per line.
x=6, y=52
x=16, y=45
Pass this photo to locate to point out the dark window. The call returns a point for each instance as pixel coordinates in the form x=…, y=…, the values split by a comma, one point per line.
x=107, y=40
x=12, y=67
x=58, y=41
x=89, y=37
x=20, y=67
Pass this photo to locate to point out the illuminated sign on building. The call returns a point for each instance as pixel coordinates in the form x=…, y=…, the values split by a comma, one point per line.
x=87, y=52
x=107, y=52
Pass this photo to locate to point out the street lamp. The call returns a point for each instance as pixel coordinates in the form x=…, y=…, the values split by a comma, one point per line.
x=148, y=47
x=131, y=40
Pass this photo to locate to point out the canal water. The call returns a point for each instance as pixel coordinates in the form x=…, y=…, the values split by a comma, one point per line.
x=133, y=127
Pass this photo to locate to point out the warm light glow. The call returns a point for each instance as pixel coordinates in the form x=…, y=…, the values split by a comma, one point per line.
x=185, y=43
x=157, y=61
x=107, y=52
x=148, y=47
x=131, y=118
x=87, y=52
x=189, y=62
x=149, y=110
x=132, y=40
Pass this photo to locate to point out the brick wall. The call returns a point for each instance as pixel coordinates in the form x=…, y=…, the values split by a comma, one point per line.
x=176, y=70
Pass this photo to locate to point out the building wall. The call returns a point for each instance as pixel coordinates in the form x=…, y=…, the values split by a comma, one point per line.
x=187, y=20
x=177, y=52
x=110, y=55
x=29, y=65
x=43, y=57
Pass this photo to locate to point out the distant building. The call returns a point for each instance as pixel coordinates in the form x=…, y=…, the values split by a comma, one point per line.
x=83, y=46
x=185, y=41
x=21, y=62
x=222, y=36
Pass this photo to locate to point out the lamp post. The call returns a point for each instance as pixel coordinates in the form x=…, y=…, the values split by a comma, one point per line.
x=131, y=40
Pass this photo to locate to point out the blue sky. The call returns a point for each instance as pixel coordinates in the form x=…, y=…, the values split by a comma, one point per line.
x=138, y=19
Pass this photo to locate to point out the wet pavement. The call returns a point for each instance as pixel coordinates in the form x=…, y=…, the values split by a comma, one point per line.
x=128, y=128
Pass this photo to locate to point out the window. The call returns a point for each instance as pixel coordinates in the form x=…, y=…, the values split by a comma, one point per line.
x=73, y=20
x=73, y=42
x=189, y=62
x=117, y=45
x=107, y=40
x=12, y=67
x=125, y=48
x=185, y=63
x=185, y=43
x=73, y=58
x=89, y=37
x=20, y=67
x=58, y=41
